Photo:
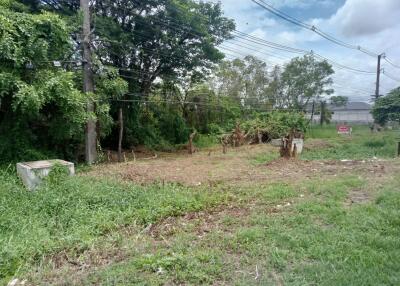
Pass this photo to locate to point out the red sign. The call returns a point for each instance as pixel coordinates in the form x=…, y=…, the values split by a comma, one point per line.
x=344, y=129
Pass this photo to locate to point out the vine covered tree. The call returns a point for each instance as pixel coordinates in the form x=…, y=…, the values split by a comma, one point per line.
x=39, y=102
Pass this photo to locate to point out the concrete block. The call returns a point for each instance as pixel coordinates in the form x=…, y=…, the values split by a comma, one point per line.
x=299, y=145
x=32, y=173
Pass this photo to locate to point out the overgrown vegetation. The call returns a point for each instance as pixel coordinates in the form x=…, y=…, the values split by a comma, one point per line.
x=289, y=231
x=328, y=218
x=167, y=81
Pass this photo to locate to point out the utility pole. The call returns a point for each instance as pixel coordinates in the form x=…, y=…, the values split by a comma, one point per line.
x=312, y=111
x=378, y=77
x=88, y=85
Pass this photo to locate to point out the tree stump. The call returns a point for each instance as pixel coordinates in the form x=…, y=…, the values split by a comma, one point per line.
x=191, y=148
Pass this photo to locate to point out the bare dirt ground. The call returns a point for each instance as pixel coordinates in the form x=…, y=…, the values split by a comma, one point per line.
x=239, y=166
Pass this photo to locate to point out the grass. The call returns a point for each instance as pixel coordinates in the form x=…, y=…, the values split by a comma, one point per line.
x=293, y=233
x=265, y=158
x=315, y=241
x=72, y=213
x=206, y=141
x=362, y=144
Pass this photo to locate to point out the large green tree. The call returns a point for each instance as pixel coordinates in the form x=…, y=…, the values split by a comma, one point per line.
x=162, y=39
x=305, y=79
x=387, y=108
x=244, y=80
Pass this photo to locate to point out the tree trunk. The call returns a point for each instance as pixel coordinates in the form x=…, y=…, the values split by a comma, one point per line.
x=191, y=148
x=121, y=133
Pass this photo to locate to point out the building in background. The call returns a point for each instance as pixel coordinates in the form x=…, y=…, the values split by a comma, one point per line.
x=352, y=112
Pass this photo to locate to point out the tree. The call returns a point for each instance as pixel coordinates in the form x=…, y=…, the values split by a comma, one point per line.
x=246, y=81
x=387, y=108
x=325, y=113
x=274, y=91
x=305, y=79
x=159, y=39
x=228, y=80
x=39, y=103
x=339, y=100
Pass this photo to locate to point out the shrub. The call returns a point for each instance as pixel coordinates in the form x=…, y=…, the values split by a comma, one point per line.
x=277, y=124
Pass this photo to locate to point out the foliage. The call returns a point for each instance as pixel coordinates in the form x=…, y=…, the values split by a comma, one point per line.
x=147, y=37
x=39, y=107
x=277, y=124
x=387, y=108
x=244, y=80
x=305, y=79
x=250, y=84
x=339, y=100
x=325, y=113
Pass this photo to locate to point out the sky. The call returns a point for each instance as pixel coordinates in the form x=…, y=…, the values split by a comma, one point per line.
x=371, y=24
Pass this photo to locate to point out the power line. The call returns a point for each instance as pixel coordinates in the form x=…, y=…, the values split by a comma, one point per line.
x=391, y=62
x=312, y=28
x=312, y=53
x=258, y=41
x=390, y=76
x=199, y=103
x=229, y=49
x=270, y=44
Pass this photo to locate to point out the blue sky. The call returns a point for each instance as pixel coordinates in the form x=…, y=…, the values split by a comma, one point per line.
x=372, y=24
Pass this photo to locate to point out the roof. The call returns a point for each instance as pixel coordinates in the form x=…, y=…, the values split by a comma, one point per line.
x=354, y=105
x=351, y=106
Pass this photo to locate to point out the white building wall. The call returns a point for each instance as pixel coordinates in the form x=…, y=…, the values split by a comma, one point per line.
x=357, y=116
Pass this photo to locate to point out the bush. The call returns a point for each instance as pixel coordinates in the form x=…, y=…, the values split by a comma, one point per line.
x=277, y=124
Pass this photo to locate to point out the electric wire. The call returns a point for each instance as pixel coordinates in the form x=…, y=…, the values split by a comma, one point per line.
x=312, y=28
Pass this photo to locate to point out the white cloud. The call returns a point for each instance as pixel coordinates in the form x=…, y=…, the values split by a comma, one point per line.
x=299, y=3
x=366, y=17
x=372, y=24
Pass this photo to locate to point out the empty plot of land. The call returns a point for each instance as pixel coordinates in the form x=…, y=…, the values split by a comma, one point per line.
x=256, y=163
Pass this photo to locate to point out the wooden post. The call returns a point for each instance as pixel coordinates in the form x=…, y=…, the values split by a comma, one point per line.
x=398, y=149
x=121, y=133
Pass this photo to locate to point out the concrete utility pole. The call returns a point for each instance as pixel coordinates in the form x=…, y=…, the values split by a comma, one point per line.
x=378, y=77
x=88, y=85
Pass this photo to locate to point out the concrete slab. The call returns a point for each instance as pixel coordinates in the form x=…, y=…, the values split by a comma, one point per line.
x=32, y=173
x=299, y=144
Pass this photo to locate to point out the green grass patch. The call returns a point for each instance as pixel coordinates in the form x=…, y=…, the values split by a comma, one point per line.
x=72, y=213
x=317, y=240
x=265, y=158
x=206, y=141
x=362, y=144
